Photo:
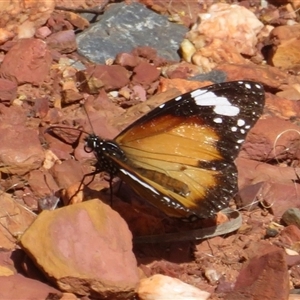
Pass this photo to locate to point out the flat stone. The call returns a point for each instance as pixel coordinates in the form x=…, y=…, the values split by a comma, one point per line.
x=124, y=27
x=21, y=150
x=28, y=61
x=84, y=249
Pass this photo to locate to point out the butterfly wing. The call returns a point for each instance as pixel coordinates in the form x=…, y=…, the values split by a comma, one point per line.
x=180, y=156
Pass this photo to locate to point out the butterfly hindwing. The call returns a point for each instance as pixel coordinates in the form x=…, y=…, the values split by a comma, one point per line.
x=180, y=156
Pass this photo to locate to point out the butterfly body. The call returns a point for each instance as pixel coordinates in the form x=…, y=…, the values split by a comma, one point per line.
x=180, y=156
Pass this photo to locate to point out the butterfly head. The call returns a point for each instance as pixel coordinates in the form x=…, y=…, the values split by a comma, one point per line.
x=106, y=152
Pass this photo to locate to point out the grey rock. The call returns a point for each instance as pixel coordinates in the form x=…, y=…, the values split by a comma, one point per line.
x=216, y=76
x=292, y=217
x=124, y=27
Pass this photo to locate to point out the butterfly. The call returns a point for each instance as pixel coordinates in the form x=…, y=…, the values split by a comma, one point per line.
x=180, y=156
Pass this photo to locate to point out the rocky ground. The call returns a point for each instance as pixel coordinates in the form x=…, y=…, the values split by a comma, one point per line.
x=70, y=68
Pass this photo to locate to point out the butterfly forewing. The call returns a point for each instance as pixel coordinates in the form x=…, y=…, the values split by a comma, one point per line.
x=180, y=156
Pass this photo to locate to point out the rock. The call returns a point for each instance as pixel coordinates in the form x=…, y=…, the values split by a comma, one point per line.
x=265, y=277
x=290, y=49
x=164, y=287
x=292, y=217
x=120, y=30
x=20, y=287
x=67, y=172
x=269, y=76
x=23, y=17
x=84, y=249
x=108, y=77
x=28, y=61
x=62, y=41
x=145, y=74
x=290, y=235
x=8, y=90
x=15, y=219
x=20, y=150
x=234, y=24
x=270, y=133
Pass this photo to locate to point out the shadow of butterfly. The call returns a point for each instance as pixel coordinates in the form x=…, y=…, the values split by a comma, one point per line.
x=180, y=156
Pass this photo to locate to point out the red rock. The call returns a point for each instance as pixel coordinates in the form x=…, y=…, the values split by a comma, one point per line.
x=62, y=41
x=15, y=218
x=290, y=235
x=267, y=134
x=28, y=61
x=101, y=76
x=145, y=74
x=42, y=32
x=268, y=75
x=279, y=197
x=67, y=173
x=20, y=149
x=265, y=277
x=20, y=287
x=292, y=260
x=41, y=183
x=252, y=172
x=8, y=90
x=127, y=60
x=84, y=248
x=181, y=70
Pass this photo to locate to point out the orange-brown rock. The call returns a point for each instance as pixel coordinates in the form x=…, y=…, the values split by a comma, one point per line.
x=84, y=249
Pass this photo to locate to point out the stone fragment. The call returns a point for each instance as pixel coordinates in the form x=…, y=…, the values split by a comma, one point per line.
x=145, y=74
x=164, y=287
x=100, y=76
x=28, y=61
x=124, y=27
x=84, y=249
x=62, y=41
x=15, y=219
x=20, y=149
x=8, y=90
x=265, y=277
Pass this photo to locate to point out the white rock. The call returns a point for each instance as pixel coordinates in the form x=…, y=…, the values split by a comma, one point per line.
x=230, y=23
x=161, y=287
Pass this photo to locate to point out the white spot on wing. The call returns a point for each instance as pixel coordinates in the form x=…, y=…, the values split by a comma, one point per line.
x=178, y=98
x=222, y=105
x=241, y=122
x=230, y=111
x=233, y=129
x=162, y=105
x=218, y=120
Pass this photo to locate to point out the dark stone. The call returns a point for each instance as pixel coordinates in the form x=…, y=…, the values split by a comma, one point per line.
x=124, y=27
